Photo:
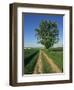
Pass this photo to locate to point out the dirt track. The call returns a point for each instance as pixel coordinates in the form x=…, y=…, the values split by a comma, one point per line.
x=54, y=67
x=39, y=69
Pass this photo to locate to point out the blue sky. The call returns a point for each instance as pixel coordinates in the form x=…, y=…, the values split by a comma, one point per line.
x=31, y=22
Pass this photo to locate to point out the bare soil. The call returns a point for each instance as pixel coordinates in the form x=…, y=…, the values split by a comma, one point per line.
x=54, y=67
x=39, y=69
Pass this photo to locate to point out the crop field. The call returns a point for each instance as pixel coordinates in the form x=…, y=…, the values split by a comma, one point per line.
x=37, y=61
x=57, y=56
x=30, y=59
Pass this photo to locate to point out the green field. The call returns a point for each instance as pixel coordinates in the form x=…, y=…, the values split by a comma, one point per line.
x=57, y=55
x=31, y=56
x=30, y=59
x=46, y=67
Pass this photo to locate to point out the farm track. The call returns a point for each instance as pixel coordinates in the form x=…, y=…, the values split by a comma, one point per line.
x=39, y=68
x=54, y=67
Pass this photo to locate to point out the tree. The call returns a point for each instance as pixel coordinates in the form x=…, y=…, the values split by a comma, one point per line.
x=47, y=33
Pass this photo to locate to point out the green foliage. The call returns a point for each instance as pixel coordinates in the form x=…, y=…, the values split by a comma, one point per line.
x=56, y=49
x=29, y=54
x=47, y=33
x=29, y=68
x=30, y=59
x=57, y=56
x=46, y=67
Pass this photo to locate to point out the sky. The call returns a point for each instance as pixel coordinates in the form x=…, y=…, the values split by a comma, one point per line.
x=31, y=22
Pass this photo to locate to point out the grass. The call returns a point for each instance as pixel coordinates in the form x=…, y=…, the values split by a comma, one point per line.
x=57, y=57
x=29, y=54
x=29, y=68
x=56, y=49
x=46, y=66
x=30, y=59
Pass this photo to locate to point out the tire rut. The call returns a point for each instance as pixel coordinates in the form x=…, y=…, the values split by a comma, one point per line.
x=38, y=67
x=54, y=67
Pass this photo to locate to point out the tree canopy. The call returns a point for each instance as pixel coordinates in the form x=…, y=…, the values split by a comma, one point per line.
x=47, y=33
